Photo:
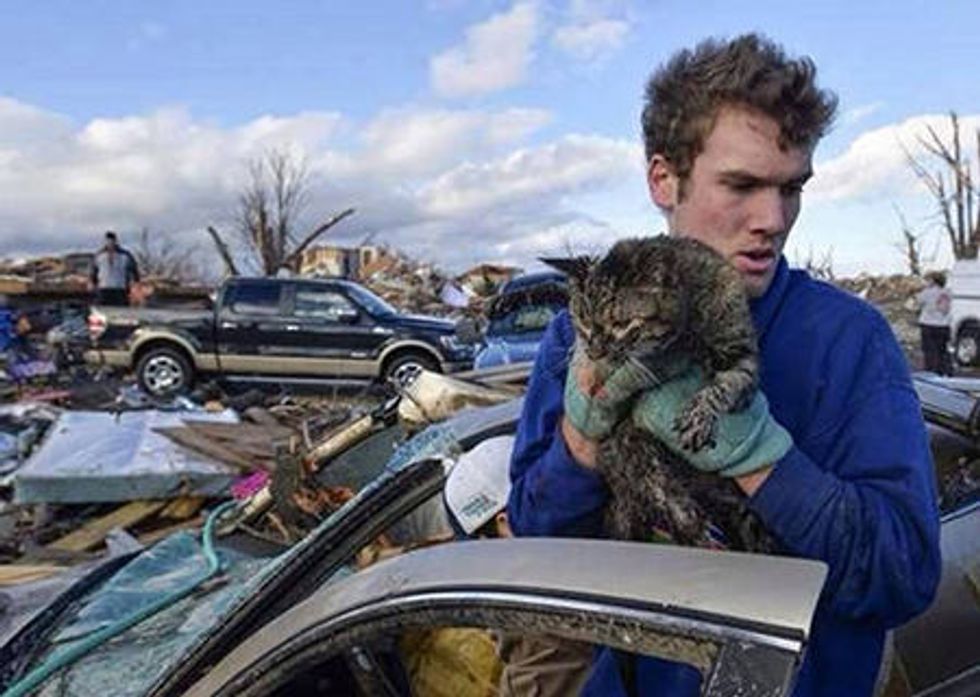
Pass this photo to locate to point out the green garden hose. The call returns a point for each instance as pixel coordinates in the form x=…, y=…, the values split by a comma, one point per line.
x=33, y=680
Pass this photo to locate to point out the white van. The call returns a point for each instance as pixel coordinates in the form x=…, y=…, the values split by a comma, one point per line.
x=964, y=285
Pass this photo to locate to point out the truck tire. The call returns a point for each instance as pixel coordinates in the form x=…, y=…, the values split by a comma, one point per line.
x=164, y=371
x=968, y=346
x=401, y=367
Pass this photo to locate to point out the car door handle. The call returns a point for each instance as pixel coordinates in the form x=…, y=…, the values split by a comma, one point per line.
x=229, y=325
x=292, y=327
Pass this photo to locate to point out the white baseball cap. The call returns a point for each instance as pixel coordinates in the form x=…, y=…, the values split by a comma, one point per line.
x=479, y=483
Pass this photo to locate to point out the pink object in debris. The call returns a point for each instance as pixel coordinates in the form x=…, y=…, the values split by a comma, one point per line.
x=250, y=485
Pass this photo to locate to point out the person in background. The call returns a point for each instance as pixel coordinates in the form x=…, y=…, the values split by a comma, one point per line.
x=113, y=272
x=935, y=302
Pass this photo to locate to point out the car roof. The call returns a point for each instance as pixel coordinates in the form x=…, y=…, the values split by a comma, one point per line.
x=533, y=279
x=772, y=595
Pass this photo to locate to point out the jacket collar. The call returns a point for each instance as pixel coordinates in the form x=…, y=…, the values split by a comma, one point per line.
x=764, y=309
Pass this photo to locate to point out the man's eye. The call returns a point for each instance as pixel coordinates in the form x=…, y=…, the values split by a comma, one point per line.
x=741, y=187
x=791, y=189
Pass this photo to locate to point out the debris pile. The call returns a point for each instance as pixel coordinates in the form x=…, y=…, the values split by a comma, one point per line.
x=417, y=286
x=894, y=296
x=68, y=477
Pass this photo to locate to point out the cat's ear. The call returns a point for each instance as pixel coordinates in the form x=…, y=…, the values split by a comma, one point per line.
x=576, y=268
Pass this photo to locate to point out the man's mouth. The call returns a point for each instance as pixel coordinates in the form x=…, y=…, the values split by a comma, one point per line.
x=754, y=261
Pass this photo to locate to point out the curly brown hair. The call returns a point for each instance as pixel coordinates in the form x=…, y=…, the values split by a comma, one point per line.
x=684, y=96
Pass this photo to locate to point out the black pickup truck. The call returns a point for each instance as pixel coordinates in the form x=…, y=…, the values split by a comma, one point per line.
x=275, y=330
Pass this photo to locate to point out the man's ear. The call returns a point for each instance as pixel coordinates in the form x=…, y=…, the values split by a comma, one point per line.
x=663, y=183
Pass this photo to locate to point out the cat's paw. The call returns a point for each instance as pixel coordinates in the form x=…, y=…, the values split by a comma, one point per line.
x=696, y=425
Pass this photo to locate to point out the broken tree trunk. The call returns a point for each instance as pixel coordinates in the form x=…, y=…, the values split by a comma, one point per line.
x=223, y=251
x=293, y=258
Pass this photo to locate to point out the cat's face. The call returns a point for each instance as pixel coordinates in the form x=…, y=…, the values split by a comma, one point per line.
x=621, y=311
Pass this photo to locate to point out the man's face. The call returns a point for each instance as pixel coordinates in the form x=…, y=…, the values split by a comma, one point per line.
x=742, y=195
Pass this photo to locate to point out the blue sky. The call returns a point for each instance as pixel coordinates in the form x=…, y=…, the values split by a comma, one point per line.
x=461, y=130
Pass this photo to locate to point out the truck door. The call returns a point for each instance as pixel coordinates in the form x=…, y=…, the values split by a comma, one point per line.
x=333, y=336
x=252, y=328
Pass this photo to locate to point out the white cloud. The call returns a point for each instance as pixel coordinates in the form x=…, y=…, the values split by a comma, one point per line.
x=859, y=113
x=422, y=180
x=409, y=142
x=592, y=29
x=495, y=55
x=591, y=40
x=163, y=170
x=874, y=164
x=528, y=176
x=27, y=126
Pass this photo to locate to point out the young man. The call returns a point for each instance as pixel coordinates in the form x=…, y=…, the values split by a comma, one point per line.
x=730, y=129
x=113, y=272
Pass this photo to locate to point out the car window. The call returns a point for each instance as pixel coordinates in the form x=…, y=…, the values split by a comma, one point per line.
x=374, y=304
x=254, y=299
x=321, y=303
x=533, y=318
x=526, y=319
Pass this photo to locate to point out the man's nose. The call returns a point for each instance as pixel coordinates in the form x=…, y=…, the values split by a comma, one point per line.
x=769, y=215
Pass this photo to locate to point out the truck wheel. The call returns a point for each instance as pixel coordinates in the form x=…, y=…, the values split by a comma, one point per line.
x=401, y=368
x=968, y=346
x=164, y=371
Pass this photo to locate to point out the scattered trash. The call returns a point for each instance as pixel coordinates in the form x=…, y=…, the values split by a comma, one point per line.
x=430, y=397
x=21, y=427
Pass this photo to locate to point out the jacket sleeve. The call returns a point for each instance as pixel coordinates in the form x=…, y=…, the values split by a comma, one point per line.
x=868, y=508
x=134, y=268
x=551, y=494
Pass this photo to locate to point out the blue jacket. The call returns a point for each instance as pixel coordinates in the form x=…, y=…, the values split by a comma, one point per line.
x=856, y=491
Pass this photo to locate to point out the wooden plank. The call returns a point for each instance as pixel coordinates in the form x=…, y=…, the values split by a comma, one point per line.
x=12, y=574
x=13, y=286
x=248, y=449
x=241, y=445
x=183, y=507
x=264, y=418
x=187, y=438
x=94, y=531
x=257, y=433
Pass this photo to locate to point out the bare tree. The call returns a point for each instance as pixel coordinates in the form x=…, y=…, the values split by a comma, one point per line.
x=268, y=215
x=157, y=256
x=946, y=172
x=819, y=267
x=910, y=246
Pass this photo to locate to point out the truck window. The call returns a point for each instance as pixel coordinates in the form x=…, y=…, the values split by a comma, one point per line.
x=254, y=299
x=318, y=303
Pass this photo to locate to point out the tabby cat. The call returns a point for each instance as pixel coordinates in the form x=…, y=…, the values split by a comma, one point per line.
x=663, y=301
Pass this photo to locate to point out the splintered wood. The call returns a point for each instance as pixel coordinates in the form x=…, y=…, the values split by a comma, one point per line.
x=245, y=446
x=12, y=574
x=92, y=534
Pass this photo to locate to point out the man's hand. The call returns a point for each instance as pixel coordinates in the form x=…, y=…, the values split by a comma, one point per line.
x=746, y=444
x=583, y=450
